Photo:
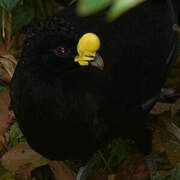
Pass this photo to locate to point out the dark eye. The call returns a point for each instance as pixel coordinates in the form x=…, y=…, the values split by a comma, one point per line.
x=61, y=51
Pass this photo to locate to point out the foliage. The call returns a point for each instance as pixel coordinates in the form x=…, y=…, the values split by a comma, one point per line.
x=118, y=7
x=15, y=135
x=87, y=7
x=8, y=4
x=16, y=14
x=6, y=175
x=120, y=152
x=174, y=174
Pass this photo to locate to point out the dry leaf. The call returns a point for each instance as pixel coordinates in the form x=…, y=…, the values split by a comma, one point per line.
x=112, y=177
x=165, y=139
x=172, y=143
x=5, y=114
x=21, y=155
x=158, y=145
x=175, y=107
x=61, y=170
x=2, y=142
x=3, y=49
x=160, y=108
x=173, y=153
x=134, y=168
x=24, y=173
x=7, y=67
x=7, y=64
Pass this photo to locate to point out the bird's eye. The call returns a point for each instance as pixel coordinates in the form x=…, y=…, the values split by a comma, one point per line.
x=61, y=51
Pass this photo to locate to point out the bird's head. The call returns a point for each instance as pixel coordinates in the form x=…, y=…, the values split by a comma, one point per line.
x=57, y=47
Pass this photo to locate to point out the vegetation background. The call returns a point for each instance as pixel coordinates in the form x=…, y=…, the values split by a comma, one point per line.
x=120, y=160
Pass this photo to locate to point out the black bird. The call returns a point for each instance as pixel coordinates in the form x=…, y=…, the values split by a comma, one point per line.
x=72, y=98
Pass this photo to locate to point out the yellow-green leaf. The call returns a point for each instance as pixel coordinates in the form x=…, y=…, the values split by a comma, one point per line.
x=121, y=6
x=87, y=7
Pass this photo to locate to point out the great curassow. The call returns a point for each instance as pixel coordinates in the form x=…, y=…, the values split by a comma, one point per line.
x=82, y=81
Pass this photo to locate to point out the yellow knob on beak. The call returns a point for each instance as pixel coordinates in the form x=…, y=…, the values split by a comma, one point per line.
x=88, y=44
x=87, y=47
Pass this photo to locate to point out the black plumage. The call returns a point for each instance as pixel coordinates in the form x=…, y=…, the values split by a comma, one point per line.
x=68, y=111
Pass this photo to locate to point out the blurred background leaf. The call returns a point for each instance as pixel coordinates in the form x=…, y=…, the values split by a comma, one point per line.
x=87, y=7
x=117, y=7
x=8, y=4
x=22, y=16
x=121, y=6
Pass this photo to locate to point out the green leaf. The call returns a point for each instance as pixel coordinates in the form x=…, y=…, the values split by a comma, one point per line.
x=22, y=17
x=3, y=88
x=15, y=134
x=120, y=152
x=8, y=4
x=176, y=173
x=7, y=176
x=87, y=7
x=121, y=6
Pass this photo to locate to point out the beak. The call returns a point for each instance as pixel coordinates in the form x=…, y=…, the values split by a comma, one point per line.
x=97, y=62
